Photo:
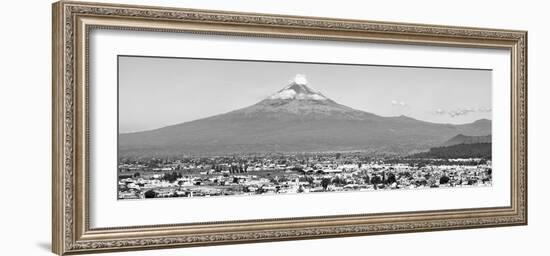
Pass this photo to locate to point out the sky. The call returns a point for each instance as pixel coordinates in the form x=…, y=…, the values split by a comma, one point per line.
x=156, y=92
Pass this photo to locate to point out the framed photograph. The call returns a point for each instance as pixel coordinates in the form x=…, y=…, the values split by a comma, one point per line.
x=179, y=127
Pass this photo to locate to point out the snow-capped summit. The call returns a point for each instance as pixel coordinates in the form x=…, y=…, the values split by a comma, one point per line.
x=299, y=99
x=298, y=89
x=300, y=79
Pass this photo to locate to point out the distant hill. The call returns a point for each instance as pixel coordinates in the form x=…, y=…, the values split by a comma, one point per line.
x=465, y=139
x=295, y=119
x=471, y=150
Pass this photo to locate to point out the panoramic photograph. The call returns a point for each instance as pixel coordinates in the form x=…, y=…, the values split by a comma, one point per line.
x=192, y=128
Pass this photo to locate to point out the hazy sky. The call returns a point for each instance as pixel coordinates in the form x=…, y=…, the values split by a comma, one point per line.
x=156, y=92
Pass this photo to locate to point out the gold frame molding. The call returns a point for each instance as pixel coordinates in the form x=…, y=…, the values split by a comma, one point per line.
x=72, y=22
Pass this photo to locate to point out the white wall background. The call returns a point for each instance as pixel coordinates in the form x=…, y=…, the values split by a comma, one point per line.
x=25, y=149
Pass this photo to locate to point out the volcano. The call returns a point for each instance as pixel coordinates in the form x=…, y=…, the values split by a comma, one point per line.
x=295, y=119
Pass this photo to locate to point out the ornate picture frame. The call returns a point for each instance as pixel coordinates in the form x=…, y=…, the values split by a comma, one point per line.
x=72, y=23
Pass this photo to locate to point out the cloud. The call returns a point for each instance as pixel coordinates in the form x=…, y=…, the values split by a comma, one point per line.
x=398, y=103
x=440, y=112
x=300, y=79
x=484, y=110
x=461, y=111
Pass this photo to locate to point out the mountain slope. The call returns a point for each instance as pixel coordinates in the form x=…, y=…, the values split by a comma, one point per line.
x=469, y=150
x=464, y=139
x=294, y=119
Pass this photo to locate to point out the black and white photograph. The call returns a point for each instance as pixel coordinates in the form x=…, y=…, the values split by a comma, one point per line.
x=194, y=127
x=292, y=128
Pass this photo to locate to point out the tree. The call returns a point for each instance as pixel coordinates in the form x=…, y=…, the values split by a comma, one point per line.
x=171, y=177
x=325, y=182
x=297, y=168
x=391, y=179
x=308, y=179
x=367, y=179
x=283, y=179
x=339, y=181
x=427, y=176
x=375, y=180
x=150, y=194
x=137, y=175
x=444, y=180
x=421, y=165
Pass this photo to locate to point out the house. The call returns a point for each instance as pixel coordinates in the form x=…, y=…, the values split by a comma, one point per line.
x=331, y=171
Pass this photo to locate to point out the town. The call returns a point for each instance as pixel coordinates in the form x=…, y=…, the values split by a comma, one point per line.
x=270, y=173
